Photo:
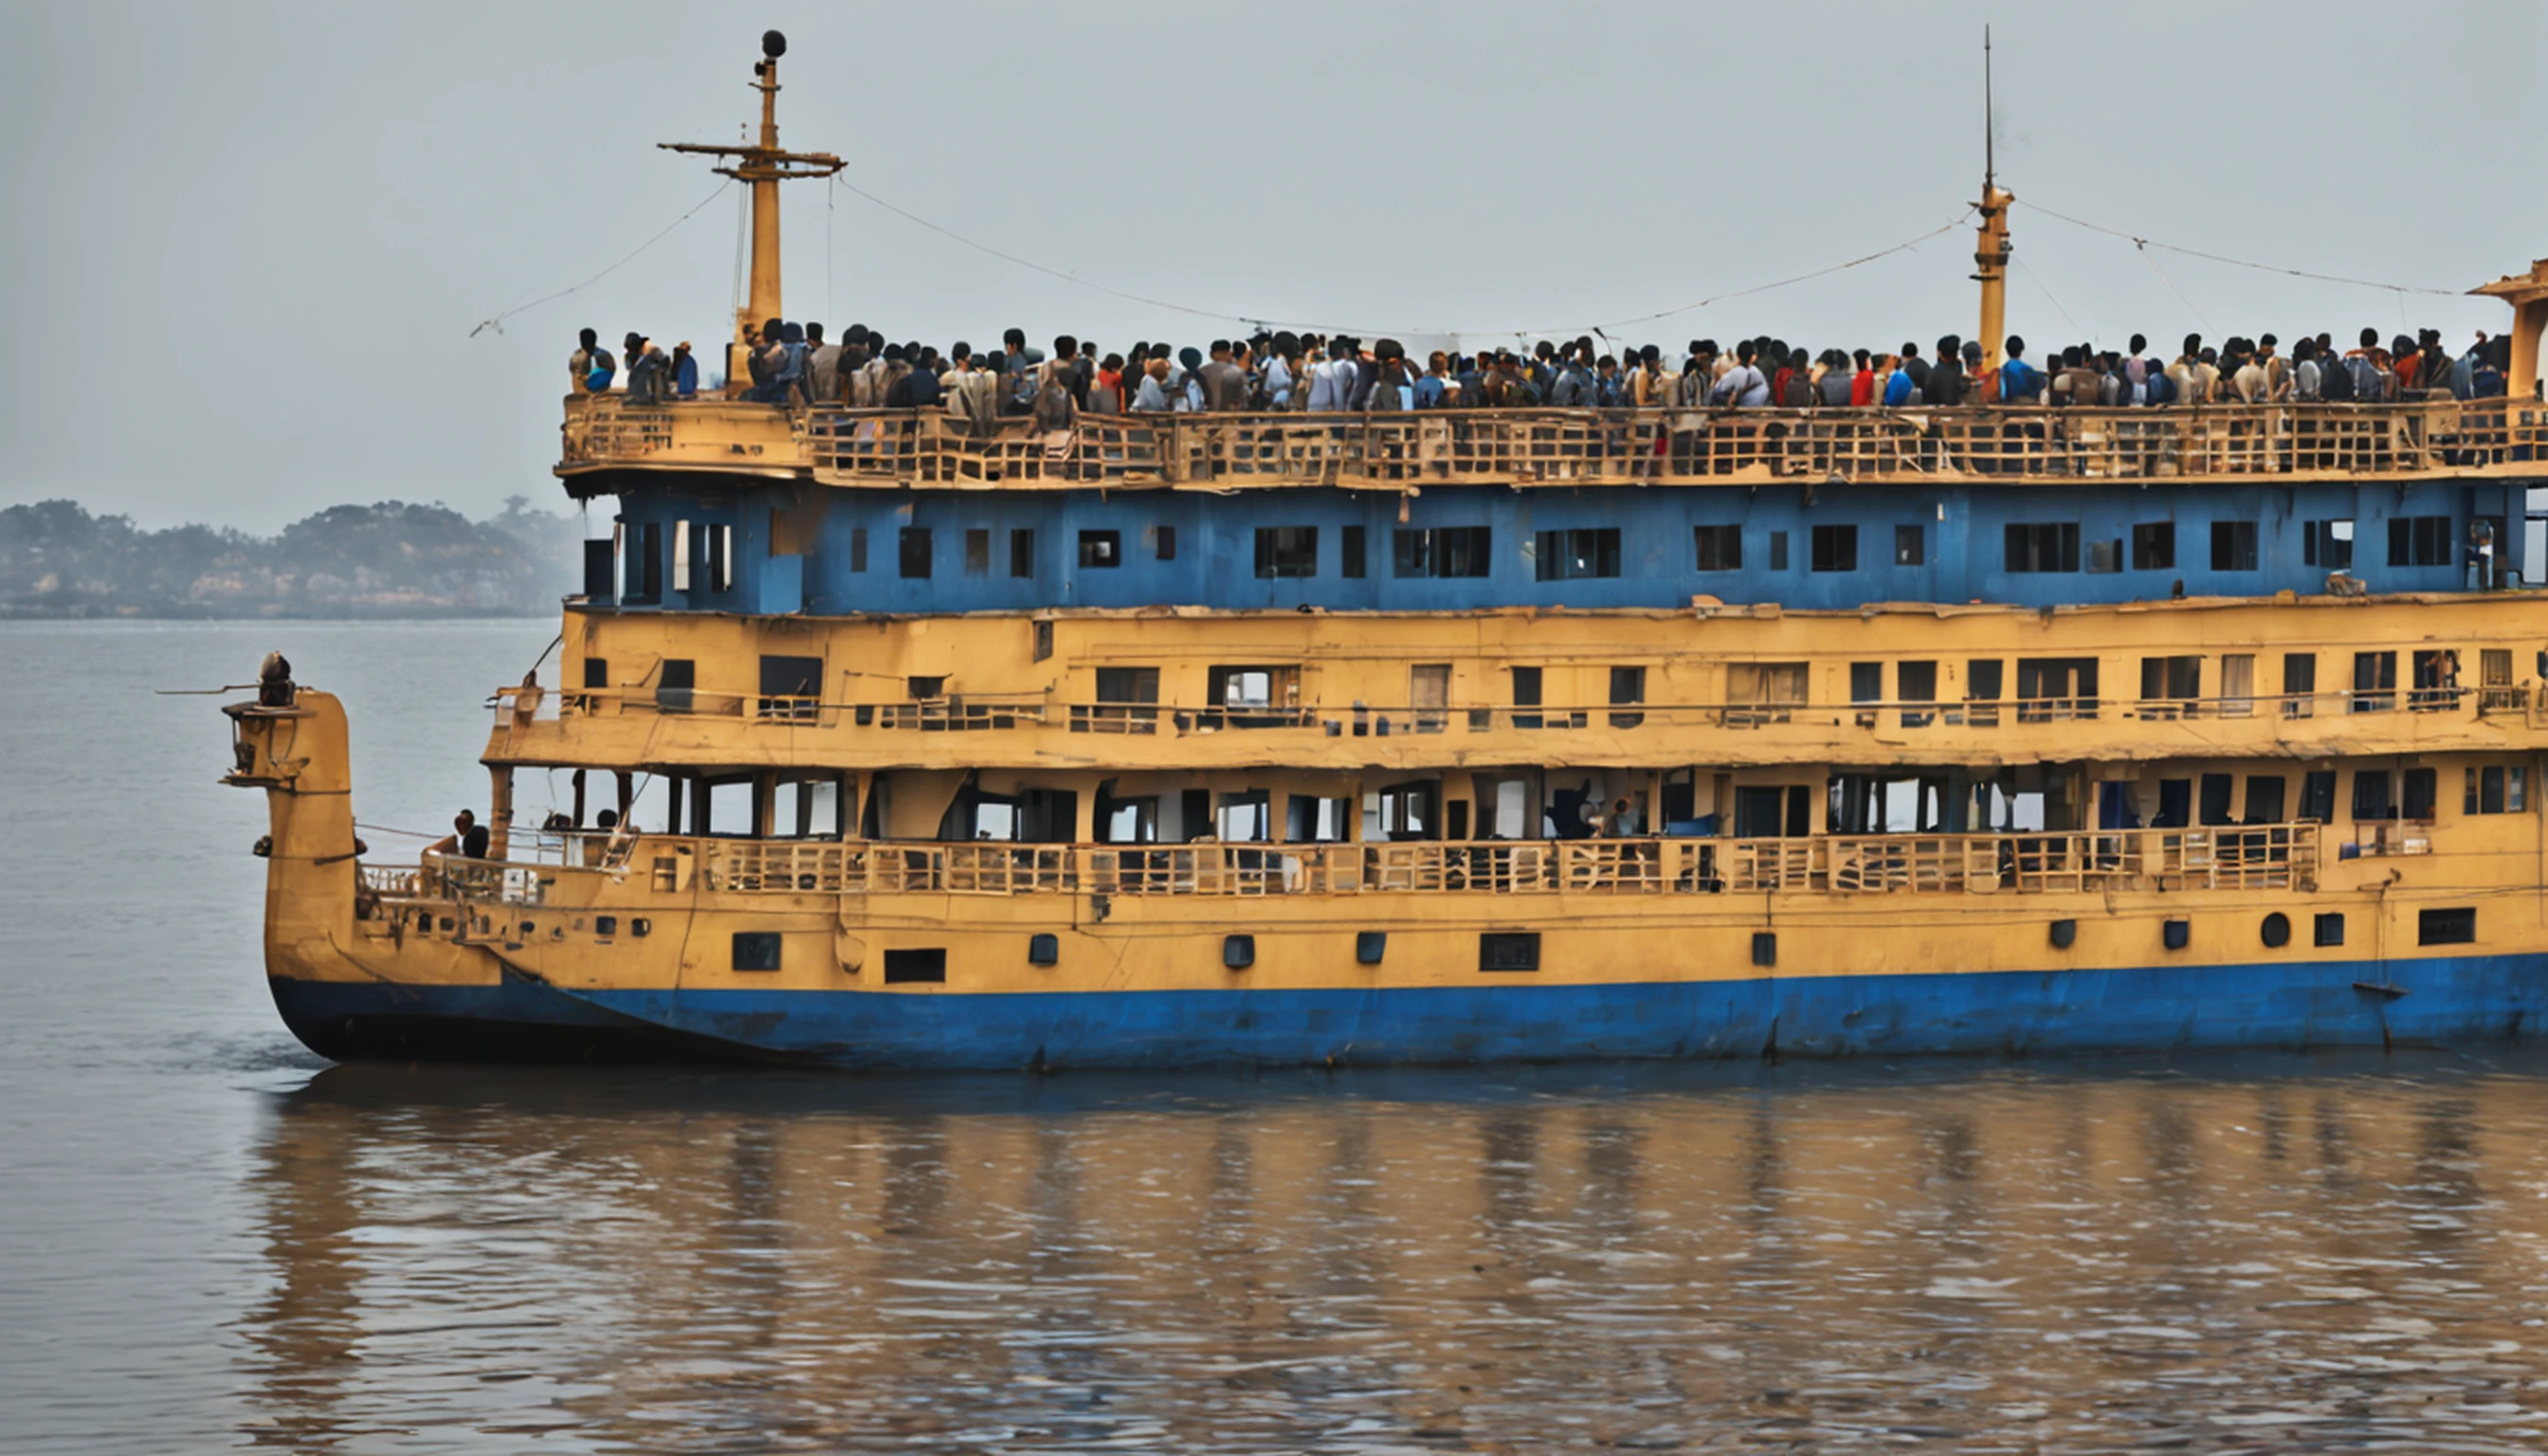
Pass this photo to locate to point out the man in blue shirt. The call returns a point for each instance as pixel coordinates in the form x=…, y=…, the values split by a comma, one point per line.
x=2019, y=383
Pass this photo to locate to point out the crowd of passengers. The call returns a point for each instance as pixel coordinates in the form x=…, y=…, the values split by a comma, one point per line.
x=795, y=366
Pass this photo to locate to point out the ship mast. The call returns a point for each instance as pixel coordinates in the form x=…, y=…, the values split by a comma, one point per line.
x=1990, y=254
x=764, y=166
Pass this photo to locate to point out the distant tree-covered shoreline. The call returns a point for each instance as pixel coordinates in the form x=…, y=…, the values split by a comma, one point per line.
x=389, y=560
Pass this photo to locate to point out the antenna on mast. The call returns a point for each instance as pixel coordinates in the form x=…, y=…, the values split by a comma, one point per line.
x=1990, y=255
x=1990, y=169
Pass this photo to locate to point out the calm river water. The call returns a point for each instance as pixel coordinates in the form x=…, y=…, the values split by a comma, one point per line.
x=209, y=1239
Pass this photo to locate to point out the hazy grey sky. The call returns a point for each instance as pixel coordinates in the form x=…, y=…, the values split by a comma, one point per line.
x=245, y=243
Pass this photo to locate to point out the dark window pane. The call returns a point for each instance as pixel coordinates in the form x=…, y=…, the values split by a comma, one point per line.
x=1287, y=551
x=2154, y=546
x=1835, y=548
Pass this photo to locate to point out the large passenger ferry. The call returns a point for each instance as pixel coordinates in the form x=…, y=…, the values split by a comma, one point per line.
x=1426, y=736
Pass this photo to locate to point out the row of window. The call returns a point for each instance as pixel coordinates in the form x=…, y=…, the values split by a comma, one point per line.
x=1518, y=951
x=702, y=554
x=2026, y=548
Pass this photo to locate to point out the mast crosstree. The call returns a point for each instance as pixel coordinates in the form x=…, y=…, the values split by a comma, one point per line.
x=762, y=167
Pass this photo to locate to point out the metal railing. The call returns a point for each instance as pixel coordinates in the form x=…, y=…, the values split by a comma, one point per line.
x=1573, y=447
x=2264, y=856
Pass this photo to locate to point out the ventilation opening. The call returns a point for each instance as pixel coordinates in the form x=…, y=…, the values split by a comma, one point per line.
x=918, y=967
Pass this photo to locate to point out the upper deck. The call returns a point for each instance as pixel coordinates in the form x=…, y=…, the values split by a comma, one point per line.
x=2501, y=440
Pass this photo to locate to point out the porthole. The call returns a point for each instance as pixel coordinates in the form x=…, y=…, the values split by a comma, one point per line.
x=1043, y=950
x=2177, y=934
x=2065, y=934
x=1239, y=952
x=2277, y=931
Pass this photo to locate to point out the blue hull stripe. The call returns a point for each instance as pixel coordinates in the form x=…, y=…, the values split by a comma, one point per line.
x=2458, y=999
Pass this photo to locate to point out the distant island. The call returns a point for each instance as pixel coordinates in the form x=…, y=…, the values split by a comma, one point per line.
x=393, y=559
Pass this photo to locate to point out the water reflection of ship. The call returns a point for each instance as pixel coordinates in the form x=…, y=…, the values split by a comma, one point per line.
x=805, y=1258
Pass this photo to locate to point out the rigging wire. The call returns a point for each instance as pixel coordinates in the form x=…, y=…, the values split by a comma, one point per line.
x=2198, y=313
x=2047, y=290
x=497, y=323
x=1903, y=246
x=2145, y=243
x=985, y=247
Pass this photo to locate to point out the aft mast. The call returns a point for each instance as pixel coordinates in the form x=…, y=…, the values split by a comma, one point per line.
x=764, y=166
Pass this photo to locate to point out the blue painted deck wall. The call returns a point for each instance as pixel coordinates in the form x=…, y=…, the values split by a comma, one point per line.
x=1961, y=529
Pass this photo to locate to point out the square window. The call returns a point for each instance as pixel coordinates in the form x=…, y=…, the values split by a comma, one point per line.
x=2048, y=546
x=1504, y=950
x=2234, y=545
x=2327, y=544
x=2330, y=929
x=1835, y=548
x=1164, y=542
x=1287, y=551
x=2154, y=546
x=1021, y=553
x=1720, y=548
x=1101, y=549
x=1909, y=546
x=755, y=949
x=915, y=553
x=1565, y=556
x=977, y=552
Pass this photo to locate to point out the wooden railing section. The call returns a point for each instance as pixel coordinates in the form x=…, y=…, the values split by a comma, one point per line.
x=1562, y=447
x=1006, y=712
x=2278, y=857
